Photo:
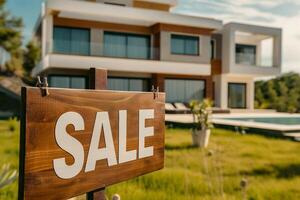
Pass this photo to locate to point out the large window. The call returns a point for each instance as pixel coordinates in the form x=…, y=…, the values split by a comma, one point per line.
x=128, y=84
x=182, y=90
x=125, y=45
x=245, y=54
x=237, y=95
x=59, y=81
x=184, y=45
x=71, y=41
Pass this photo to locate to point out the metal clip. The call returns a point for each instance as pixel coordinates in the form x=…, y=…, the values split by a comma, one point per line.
x=43, y=85
x=155, y=92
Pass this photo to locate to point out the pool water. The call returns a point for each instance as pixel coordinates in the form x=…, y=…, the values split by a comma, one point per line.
x=271, y=120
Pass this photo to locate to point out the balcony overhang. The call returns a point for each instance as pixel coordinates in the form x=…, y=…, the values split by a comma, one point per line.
x=255, y=71
x=120, y=64
x=92, y=11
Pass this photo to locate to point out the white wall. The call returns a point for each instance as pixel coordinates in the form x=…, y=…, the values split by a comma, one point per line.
x=96, y=42
x=228, y=52
x=221, y=89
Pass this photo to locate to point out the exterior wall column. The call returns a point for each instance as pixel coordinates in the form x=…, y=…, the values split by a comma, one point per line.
x=250, y=94
x=223, y=92
x=47, y=35
x=209, y=88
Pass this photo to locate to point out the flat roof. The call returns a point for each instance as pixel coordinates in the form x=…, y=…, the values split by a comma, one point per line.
x=125, y=15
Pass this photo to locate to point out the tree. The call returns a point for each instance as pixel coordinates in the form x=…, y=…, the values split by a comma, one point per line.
x=11, y=39
x=32, y=55
x=281, y=93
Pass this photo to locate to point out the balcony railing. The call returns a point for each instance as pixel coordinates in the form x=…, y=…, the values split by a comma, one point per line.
x=245, y=59
x=103, y=50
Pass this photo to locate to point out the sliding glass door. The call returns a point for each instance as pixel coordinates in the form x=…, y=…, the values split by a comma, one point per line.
x=72, y=41
x=183, y=90
x=129, y=84
x=237, y=95
x=125, y=45
x=245, y=54
x=65, y=81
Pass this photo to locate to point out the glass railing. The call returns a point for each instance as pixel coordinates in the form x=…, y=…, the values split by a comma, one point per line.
x=103, y=50
x=245, y=59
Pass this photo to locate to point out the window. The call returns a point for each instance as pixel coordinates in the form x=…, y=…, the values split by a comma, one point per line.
x=245, y=54
x=125, y=45
x=213, y=49
x=128, y=84
x=71, y=41
x=185, y=45
x=59, y=81
x=182, y=90
x=237, y=95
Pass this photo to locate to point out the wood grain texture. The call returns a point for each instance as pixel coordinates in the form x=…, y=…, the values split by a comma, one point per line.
x=151, y=5
x=98, y=79
x=216, y=67
x=41, y=114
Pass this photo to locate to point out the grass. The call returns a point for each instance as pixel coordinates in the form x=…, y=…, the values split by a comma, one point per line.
x=9, y=153
x=270, y=166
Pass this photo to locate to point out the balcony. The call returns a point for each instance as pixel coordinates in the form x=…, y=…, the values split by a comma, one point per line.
x=133, y=58
x=251, y=50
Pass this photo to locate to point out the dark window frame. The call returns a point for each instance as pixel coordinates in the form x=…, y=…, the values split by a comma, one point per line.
x=87, y=85
x=70, y=27
x=129, y=34
x=190, y=79
x=185, y=37
x=246, y=45
x=133, y=78
x=245, y=94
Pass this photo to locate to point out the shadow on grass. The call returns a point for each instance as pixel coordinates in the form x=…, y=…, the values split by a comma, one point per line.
x=283, y=172
x=180, y=147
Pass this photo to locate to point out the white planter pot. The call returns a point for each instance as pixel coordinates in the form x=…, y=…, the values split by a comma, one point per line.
x=201, y=138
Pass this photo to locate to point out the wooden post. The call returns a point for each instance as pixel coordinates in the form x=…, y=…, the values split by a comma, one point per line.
x=97, y=81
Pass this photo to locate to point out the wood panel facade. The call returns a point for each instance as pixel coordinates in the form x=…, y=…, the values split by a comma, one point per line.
x=151, y=5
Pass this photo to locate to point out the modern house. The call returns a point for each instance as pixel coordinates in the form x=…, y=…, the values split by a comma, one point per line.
x=141, y=43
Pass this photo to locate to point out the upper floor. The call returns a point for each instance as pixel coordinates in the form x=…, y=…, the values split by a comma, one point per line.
x=103, y=30
x=250, y=49
x=144, y=37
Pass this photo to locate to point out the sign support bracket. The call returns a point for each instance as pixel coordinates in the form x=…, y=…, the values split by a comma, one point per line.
x=98, y=81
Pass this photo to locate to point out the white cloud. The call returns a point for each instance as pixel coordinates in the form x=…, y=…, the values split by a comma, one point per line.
x=260, y=12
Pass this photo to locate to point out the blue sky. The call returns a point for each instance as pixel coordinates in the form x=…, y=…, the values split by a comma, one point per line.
x=278, y=13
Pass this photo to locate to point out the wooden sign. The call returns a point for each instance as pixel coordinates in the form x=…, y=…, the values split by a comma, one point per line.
x=76, y=141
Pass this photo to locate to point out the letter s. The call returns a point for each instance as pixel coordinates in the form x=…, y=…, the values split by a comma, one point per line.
x=69, y=144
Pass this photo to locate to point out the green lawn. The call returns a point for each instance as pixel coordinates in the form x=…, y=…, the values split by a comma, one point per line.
x=271, y=167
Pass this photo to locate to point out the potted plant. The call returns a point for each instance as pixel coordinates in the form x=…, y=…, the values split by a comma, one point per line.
x=201, y=111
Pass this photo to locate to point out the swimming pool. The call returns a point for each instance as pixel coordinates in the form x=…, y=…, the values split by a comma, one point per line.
x=277, y=124
x=270, y=120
